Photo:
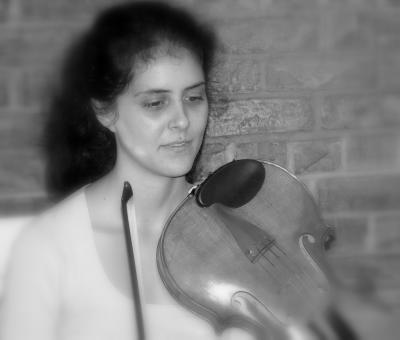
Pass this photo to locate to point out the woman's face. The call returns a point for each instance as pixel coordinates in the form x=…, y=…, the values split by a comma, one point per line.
x=162, y=115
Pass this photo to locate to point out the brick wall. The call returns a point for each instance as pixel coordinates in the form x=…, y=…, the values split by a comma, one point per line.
x=313, y=85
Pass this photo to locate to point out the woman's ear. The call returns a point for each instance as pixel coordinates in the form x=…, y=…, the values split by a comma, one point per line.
x=105, y=114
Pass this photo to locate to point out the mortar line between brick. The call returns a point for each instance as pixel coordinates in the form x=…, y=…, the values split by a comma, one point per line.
x=370, y=243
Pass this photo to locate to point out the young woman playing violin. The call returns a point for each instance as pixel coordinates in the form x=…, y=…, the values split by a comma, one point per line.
x=133, y=109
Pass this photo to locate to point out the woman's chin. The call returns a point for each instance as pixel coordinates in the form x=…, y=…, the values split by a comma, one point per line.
x=176, y=168
x=178, y=171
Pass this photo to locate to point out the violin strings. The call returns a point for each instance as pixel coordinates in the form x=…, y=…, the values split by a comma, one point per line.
x=279, y=248
x=272, y=275
x=300, y=281
x=304, y=279
x=280, y=273
x=293, y=266
x=278, y=279
x=268, y=260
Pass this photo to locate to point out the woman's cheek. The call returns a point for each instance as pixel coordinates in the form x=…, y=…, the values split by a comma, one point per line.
x=202, y=118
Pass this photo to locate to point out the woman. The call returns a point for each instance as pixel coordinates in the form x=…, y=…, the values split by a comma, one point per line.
x=134, y=108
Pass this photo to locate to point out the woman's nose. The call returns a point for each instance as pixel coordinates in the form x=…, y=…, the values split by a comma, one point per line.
x=179, y=118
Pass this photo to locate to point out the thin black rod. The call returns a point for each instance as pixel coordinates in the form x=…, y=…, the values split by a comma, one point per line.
x=127, y=193
x=341, y=326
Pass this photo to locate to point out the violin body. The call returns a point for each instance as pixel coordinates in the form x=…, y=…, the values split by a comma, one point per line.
x=258, y=264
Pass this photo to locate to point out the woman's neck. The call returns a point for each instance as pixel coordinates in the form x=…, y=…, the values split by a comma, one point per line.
x=154, y=196
x=150, y=190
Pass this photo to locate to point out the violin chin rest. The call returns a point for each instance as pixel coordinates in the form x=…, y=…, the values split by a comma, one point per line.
x=233, y=185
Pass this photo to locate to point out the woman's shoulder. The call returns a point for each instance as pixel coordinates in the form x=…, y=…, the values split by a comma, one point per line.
x=58, y=221
x=67, y=208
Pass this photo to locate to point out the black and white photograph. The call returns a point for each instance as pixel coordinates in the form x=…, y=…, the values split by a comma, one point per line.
x=199, y=169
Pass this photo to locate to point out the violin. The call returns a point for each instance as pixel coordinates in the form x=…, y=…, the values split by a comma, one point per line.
x=246, y=248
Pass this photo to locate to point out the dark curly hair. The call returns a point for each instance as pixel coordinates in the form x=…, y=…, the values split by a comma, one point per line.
x=98, y=68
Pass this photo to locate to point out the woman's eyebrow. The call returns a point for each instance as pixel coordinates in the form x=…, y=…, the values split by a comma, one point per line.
x=158, y=91
x=201, y=83
x=151, y=91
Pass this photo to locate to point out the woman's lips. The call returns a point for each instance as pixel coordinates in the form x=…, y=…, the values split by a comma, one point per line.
x=177, y=146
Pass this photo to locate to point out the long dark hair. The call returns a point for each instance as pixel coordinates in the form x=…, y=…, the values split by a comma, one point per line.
x=98, y=67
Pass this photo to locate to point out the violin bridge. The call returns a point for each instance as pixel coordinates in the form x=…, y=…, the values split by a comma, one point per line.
x=254, y=252
x=251, y=239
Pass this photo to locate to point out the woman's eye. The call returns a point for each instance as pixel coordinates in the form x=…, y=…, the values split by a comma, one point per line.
x=154, y=104
x=195, y=98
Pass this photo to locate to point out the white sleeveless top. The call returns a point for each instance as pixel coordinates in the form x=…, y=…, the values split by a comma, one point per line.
x=56, y=287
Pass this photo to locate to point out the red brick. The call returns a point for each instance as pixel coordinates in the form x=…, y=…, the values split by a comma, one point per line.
x=236, y=75
x=387, y=233
x=346, y=28
x=350, y=235
x=210, y=147
x=317, y=72
x=350, y=4
x=388, y=4
x=4, y=89
x=36, y=87
x=21, y=172
x=351, y=111
x=20, y=129
x=247, y=8
x=246, y=150
x=4, y=9
x=386, y=26
x=35, y=45
x=269, y=34
x=275, y=152
x=392, y=297
x=315, y=155
x=213, y=156
x=389, y=108
x=360, y=193
x=261, y=115
x=365, y=152
x=376, y=272
x=62, y=9
x=390, y=69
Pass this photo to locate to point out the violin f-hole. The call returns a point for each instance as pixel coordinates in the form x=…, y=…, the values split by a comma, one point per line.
x=306, y=243
x=252, y=240
x=269, y=325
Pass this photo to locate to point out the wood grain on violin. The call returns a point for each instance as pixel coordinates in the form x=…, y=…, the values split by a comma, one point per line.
x=246, y=249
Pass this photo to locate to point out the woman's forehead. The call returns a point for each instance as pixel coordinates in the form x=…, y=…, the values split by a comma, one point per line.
x=180, y=69
x=161, y=51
